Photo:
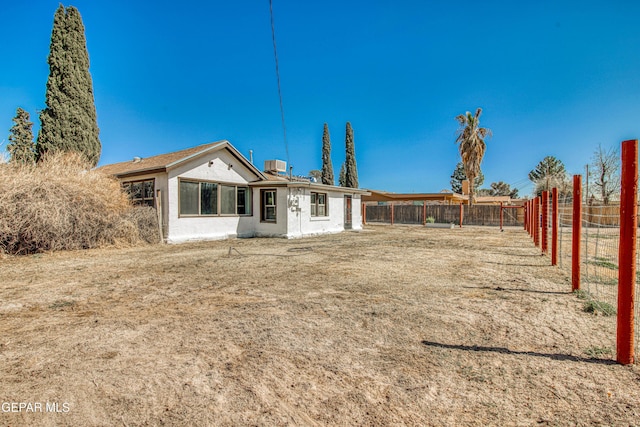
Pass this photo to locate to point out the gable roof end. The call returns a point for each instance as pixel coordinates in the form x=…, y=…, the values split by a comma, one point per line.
x=164, y=162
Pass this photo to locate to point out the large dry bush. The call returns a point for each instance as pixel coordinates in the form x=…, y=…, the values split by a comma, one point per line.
x=61, y=204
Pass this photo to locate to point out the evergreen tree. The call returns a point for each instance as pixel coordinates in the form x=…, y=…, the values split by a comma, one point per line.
x=327, y=167
x=351, y=170
x=68, y=123
x=341, y=178
x=501, y=188
x=549, y=173
x=21, y=146
x=458, y=176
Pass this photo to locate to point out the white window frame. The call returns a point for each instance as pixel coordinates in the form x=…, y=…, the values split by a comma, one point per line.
x=315, y=205
x=264, y=206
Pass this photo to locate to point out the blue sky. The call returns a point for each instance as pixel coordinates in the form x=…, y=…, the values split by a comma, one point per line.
x=553, y=78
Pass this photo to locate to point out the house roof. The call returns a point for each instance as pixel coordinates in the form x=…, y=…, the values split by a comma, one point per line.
x=282, y=180
x=270, y=176
x=272, y=182
x=163, y=162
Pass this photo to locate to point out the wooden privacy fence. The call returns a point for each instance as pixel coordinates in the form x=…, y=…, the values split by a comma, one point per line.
x=601, y=244
x=443, y=214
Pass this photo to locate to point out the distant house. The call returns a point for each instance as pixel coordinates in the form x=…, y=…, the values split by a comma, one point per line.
x=442, y=198
x=213, y=192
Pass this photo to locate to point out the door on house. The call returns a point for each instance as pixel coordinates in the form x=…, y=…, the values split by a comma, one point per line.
x=347, y=213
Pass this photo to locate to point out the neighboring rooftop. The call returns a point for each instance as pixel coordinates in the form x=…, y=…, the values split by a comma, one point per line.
x=442, y=197
x=384, y=196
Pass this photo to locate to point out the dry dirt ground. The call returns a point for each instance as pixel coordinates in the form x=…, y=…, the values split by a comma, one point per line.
x=389, y=326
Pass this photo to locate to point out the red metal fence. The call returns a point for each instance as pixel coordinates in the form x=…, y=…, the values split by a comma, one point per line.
x=599, y=244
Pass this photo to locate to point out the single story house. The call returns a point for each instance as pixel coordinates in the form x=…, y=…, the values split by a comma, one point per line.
x=213, y=192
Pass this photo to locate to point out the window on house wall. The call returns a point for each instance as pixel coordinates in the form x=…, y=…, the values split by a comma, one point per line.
x=244, y=201
x=189, y=198
x=318, y=204
x=211, y=198
x=268, y=208
x=141, y=193
x=228, y=199
x=208, y=198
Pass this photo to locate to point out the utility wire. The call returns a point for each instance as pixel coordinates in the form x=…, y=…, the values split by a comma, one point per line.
x=275, y=54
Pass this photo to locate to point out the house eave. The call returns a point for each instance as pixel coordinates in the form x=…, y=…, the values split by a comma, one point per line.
x=139, y=172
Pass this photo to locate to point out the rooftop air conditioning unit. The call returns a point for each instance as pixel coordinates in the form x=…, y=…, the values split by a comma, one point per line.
x=275, y=166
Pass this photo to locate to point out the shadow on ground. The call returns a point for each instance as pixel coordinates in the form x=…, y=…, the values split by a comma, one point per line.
x=533, y=291
x=503, y=350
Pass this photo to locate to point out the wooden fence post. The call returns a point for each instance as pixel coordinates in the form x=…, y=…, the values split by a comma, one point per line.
x=531, y=214
x=554, y=227
x=364, y=214
x=461, y=213
x=526, y=217
x=529, y=217
x=424, y=213
x=545, y=221
x=391, y=213
x=536, y=221
x=627, y=252
x=159, y=213
x=501, y=220
x=576, y=231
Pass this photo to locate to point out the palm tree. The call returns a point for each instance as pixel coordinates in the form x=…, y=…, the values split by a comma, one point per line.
x=471, y=144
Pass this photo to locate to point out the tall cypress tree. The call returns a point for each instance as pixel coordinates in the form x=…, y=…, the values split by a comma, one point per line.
x=327, y=166
x=351, y=170
x=341, y=178
x=21, y=146
x=68, y=123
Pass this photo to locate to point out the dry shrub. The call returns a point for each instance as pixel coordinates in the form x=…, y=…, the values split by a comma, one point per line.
x=145, y=220
x=61, y=204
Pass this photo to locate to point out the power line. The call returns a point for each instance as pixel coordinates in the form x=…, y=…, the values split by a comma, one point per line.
x=275, y=54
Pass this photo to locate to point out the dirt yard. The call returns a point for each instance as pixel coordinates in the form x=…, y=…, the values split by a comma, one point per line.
x=389, y=326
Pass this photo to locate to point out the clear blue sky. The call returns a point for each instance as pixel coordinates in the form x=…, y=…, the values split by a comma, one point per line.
x=553, y=77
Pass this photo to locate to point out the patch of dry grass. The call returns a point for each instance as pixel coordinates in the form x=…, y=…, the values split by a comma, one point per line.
x=390, y=326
